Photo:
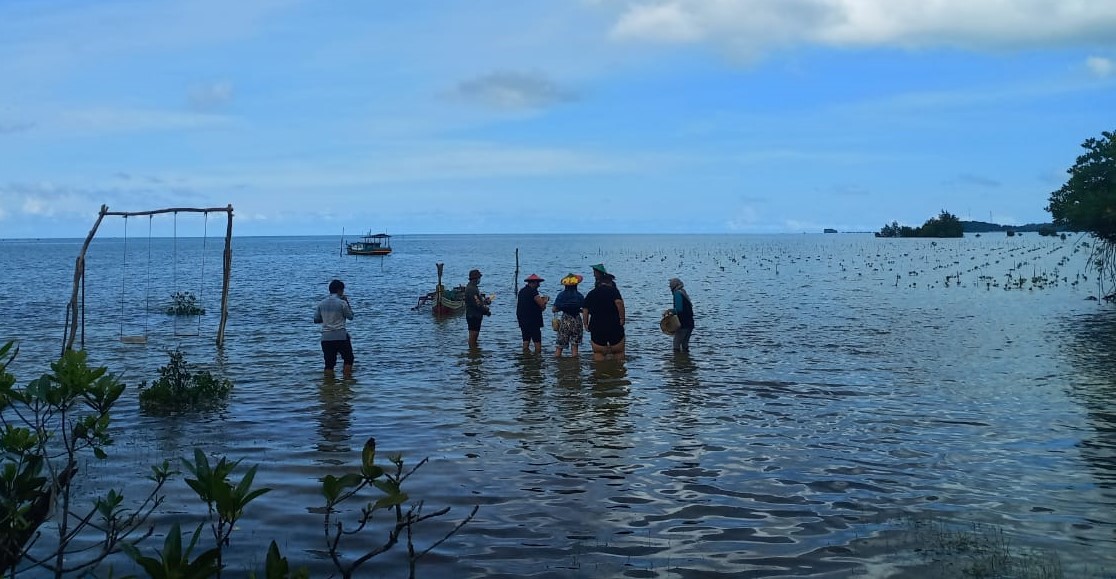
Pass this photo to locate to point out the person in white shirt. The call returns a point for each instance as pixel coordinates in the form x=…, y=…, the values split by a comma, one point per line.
x=331, y=313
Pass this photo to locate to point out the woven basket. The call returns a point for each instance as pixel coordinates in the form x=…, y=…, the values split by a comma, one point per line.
x=670, y=323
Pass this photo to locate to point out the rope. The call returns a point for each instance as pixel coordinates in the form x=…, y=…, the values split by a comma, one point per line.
x=123, y=277
x=147, y=300
x=201, y=290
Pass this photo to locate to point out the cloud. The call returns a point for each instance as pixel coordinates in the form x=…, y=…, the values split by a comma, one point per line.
x=753, y=28
x=1100, y=67
x=46, y=200
x=512, y=91
x=9, y=127
x=125, y=120
x=212, y=96
x=974, y=180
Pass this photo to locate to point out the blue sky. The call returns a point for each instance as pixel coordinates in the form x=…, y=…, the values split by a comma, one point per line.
x=690, y=116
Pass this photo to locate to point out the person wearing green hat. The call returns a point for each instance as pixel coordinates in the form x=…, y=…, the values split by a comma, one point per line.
x=603, y=313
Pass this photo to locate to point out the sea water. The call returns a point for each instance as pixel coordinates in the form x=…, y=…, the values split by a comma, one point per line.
x=837, y=387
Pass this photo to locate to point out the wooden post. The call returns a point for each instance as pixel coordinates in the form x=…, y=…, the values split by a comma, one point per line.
x=515, y=280
x=225, y=281
x=79, y=276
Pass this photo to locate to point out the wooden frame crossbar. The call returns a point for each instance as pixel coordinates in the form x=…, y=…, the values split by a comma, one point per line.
x=74, y=308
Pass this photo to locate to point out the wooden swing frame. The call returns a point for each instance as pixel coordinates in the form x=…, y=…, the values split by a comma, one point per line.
x=75, y=309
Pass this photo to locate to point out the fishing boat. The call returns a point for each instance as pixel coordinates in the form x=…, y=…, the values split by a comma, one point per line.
x=443, y=301
x=378, y=244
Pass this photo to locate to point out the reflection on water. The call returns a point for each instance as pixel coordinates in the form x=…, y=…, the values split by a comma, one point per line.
x=335, y=415
x=1092, y=349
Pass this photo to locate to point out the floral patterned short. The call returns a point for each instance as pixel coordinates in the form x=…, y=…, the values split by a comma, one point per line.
x=570, y=330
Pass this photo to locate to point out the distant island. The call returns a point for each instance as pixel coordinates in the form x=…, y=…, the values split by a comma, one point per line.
x=985, y=227
x=895, y=230
x=947, y=224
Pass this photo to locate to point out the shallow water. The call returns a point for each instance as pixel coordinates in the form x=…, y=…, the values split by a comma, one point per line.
x=838, y=385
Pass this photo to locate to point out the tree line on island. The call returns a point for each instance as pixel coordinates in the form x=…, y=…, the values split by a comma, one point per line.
x=947, y=224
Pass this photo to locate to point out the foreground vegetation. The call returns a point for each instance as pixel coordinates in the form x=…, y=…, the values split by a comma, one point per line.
x=60, y=421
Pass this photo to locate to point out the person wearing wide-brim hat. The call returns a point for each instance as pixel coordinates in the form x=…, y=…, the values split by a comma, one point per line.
x=475, y=307
x=568, y=307
x=529, y=312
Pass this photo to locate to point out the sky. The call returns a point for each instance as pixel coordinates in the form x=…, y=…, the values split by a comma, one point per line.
x=548, y=116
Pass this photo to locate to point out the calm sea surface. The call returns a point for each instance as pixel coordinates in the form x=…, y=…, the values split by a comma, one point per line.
x=838, y=387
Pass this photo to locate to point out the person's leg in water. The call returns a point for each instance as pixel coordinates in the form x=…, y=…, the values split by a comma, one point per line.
x=347, y=358
x=474, y=331
x=329, y=354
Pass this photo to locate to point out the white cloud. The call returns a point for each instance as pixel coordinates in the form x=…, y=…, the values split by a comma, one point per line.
x=669, y=22
x=1100, y=66
x=751, y=28
x=47, y=200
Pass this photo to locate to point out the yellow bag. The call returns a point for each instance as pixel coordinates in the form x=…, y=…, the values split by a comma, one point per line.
x=554, y=323
x=670, y=323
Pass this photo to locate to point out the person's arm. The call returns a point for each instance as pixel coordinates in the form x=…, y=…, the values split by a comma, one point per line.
x=318, y=314
x=585, y=316
x=541, y=301
x=347, y=309
x=620, y=309
x=677, y=302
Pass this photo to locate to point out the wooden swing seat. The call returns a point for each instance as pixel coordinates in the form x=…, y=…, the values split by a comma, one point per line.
x=133, y=339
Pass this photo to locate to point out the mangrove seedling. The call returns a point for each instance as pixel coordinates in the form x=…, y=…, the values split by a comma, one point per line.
x=181, y=388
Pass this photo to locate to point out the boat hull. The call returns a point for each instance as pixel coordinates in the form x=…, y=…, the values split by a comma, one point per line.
x=357, y=251
x=447, y=306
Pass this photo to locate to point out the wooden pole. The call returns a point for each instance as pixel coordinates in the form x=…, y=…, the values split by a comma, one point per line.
x=225, y=281
x=79, y=276
x=515, y=280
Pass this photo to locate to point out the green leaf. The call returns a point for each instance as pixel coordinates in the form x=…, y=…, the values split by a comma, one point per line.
x=276, y=566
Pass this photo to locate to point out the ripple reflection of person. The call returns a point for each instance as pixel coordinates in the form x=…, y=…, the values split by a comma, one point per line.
x=335, y=418
x=609, y=388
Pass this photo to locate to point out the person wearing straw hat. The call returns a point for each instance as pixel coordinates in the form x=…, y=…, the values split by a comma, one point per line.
x=603, y=313
x=568, y=306
x=475, y=307
x=529, y=312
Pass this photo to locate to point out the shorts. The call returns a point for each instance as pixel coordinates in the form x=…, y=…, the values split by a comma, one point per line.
x=531, y=334
x=474, y=324
x=331, y=348
x=570, y=330
x=607, y=337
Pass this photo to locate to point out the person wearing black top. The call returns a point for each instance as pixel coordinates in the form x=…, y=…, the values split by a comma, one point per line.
x=604, y=315
x=529, y=312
